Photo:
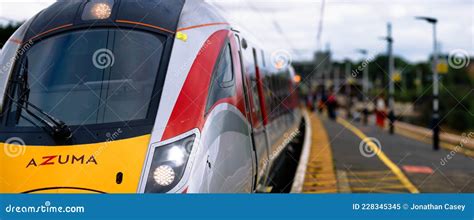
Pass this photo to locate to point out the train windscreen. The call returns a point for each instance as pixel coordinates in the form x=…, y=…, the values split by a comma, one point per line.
x=89, y=77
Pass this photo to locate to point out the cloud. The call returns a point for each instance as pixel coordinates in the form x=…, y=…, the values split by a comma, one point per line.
x=348, y=25
x=21, y=10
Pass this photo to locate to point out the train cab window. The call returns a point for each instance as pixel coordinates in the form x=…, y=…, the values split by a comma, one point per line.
x=90, y=77
x=222, y=81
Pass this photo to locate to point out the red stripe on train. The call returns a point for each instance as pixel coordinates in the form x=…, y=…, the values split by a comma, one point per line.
x=189, y=110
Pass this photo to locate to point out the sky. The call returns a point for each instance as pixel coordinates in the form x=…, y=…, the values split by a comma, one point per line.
x=292, y=25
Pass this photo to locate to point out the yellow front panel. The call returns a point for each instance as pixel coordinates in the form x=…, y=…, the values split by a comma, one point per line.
x=49, y=169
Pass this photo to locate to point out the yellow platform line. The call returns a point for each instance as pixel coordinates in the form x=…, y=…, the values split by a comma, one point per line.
x=321, y=182
x=370, y=190
x=377, y=180
x=389, y=173
x=427, y=140
x=381, y=155
x=371, y=172
x=320, y=177
x=323, y=191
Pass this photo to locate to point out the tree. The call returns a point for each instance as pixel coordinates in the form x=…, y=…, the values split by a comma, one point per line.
x=6, y=31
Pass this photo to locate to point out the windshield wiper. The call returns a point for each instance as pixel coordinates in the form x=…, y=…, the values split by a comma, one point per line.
x=57, y=128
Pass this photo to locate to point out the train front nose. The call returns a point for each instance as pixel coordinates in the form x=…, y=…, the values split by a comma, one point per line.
x=107, y=167
x=99, y=83
x=93, y=68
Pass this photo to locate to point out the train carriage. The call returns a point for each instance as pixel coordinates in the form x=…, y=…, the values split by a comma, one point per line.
x=117, y=96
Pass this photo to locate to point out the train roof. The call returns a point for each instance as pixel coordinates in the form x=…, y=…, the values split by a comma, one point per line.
x=75, y=12
x=170, y=16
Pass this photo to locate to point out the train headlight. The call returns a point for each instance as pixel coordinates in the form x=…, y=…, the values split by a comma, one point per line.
x=164, y=175
x=101, y=11
x=97, y=10
x=168, y=165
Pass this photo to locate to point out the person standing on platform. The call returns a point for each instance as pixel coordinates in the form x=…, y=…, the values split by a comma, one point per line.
x=380, y=111
x=331, y=104
x=321, y=100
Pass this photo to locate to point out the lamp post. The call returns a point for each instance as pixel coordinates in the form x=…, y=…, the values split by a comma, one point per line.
x=348, y=81
x=391, y=67
x=436, y=121
x=365, y=84
x=337, y=79
x=365, y=76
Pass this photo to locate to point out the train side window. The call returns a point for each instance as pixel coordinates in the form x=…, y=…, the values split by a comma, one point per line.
x=227, y=68
x=254, y=79
x=222, y=83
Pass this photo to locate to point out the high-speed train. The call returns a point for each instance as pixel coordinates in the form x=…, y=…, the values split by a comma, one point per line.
x=122, y=96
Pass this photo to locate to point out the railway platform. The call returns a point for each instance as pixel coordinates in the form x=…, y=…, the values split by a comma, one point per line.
x=345, y=156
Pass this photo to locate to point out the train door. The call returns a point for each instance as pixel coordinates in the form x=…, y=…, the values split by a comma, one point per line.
x=244, y=80
x=260, y=102
x=254, y=113
x=242, y=86
x=230, y=156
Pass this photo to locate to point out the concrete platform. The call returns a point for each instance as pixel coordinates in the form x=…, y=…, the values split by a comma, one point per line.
x=348, y=157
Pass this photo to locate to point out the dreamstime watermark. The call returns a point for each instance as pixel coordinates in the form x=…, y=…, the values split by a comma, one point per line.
x=365, y=63
x=367, y=149
x=281, y=59
x=110, y=137
x=465, y=138
x=44, y=208
x=103, y=58
x=8, y=65
x=14, y=147
x=458, y=59
x=179, y=72
x=113, y=136
x=288, y=138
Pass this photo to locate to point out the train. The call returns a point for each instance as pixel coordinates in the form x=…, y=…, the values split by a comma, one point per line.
x=120, y=96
